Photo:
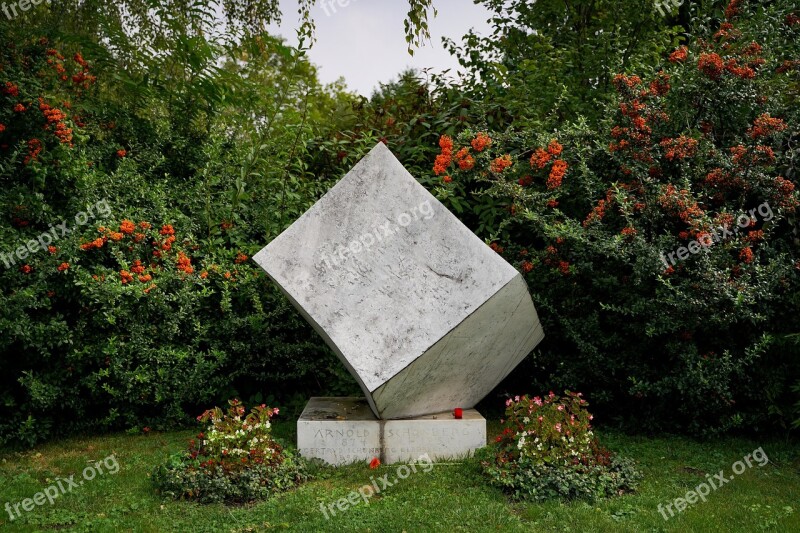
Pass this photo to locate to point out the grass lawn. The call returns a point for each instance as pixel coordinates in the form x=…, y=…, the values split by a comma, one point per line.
x=451, y=497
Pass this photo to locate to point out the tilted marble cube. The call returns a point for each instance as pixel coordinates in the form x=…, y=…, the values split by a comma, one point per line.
x=422, y=312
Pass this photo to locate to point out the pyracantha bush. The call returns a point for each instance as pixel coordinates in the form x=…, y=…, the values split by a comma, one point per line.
x=661, y=249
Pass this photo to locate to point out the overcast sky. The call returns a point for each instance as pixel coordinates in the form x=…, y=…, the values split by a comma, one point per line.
x=364, y=42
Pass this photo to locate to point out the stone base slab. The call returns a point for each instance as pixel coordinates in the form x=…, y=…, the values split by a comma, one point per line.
x=344, y=430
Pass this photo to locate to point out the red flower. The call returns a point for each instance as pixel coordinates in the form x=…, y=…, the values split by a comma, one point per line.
x=26, y=269
x=660, y=86
x=501, y=163
x=527, y=266
x=496, y=247
x=2, y=128
x=52, y=250
x=711, y=65
x=127, y=227
x=481, y=142
x=97, y=243
x=554, y=148
x=184, y=263
x=540, y=158
x=732, y=10
x=746, y=255
x=241, y=258
x=167, y=229
x=446, y=144
x=784, y=186
x=79, y=60
x=11, y=89
x=63, y=266
x=679, y=55
x=125, y=277
x=597, y=213
x=137, y=267
x=19, y=108
x=447, y=179
x=465, y=160
x=680, y=148
x=766, y=125
x=621, y=81
x=557, y=174
x=121, y=153
x=443, y=161
x=375, y=463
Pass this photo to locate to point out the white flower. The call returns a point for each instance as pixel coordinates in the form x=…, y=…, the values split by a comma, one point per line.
x=521, y=442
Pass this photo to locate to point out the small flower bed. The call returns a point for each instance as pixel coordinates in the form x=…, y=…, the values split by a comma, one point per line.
x=236, y=460
x=547, y=450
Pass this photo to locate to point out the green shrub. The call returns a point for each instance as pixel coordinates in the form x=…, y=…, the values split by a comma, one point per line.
x=547, y=450
x=590, y=216
x=236, y=460
x=142, y=328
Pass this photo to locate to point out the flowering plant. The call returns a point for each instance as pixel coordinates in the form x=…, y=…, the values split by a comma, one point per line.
x=547, y=449
x=547, y=429
x=233, y=440
x=234, y=460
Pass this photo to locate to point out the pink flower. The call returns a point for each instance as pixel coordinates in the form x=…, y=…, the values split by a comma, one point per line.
x=558, y=427
x=541, y=419
x=560, y=407
x=516, y=398
x=591, y=417
x=552, y=395
x=537, y=400
x=276, y=410
x=508, y=402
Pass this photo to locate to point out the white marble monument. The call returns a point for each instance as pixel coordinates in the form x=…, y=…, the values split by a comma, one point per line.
x=422, y=312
